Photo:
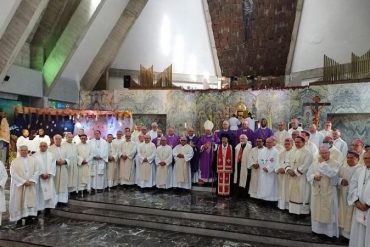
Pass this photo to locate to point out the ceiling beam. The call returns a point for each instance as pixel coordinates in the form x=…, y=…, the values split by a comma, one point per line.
x=211, y=37
x=18, y=30
x=51, y=27
x=293, y=42
x=112, y=44
x=68, y=42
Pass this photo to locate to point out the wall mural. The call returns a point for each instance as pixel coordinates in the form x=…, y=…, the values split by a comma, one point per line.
x=193, y=108
x=147, y=119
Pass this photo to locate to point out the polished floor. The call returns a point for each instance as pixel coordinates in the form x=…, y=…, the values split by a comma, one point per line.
x=68, y=232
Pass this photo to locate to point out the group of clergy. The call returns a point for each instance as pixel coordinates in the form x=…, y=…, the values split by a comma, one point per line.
x=42, y=179
x=305, y=171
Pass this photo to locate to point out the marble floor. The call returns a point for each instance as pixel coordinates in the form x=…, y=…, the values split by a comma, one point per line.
x=197, y=202
x=68, y=232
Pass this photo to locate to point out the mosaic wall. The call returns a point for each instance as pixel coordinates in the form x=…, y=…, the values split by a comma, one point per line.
x=193, y=108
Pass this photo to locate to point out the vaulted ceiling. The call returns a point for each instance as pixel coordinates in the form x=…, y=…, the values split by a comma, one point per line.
x=77, y=40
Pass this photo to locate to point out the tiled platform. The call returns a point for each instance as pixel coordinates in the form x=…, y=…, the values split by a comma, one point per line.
x=200, y=213
x=68, y=232
x=196, y=202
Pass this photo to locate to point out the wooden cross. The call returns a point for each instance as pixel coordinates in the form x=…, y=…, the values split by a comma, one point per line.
x=316, y=107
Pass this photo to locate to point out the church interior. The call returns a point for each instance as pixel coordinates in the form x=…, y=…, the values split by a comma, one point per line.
x=112, y=65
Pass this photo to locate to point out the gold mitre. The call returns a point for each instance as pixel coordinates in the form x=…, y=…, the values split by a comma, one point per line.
x=208, y=125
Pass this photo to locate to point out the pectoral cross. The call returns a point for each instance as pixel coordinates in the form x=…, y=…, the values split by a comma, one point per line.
x=316, y=107
x=295, y=162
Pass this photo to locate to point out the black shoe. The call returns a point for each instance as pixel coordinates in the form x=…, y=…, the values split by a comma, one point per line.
x=47, y=212
x=30, y=220
x=19, y=223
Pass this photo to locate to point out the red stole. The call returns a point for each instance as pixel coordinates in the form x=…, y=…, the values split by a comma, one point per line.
x=224, y=170
x=228, y=166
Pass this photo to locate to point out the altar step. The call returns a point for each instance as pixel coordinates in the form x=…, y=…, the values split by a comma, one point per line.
x=204, y=188
x=241, y=229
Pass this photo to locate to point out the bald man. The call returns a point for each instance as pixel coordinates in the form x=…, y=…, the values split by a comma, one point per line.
x=24, y=172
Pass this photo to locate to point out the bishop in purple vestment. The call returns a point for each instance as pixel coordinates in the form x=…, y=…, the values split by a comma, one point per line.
x=206, y=148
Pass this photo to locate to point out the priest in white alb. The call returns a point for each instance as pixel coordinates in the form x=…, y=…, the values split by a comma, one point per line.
x=61, y=174
x=358, y=145
x=359, y=197
x=267, y=181
x=117, y=143
x=315, y=136
x=339, y=143
x=76, y=139
x=310, y=146
x=99, y=153
x=84, y=158
x=281, y=133
x=46, y=196
x=40, y=137
x=182, y=153
x=24, y=172
x=344, y=177
x=127, y=154
x=299, y=188
x=334, y=152
x=23, y=140
x=112, y=171
x=322, y=176
x=71, y=150
x=254, y=161
x=163, y=160
x=145, y=166
x=285, y=160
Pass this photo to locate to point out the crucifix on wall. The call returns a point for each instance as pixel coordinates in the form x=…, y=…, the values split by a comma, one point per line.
x=316, y=108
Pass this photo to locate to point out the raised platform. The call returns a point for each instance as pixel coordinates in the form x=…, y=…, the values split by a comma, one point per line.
x=198, y=213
